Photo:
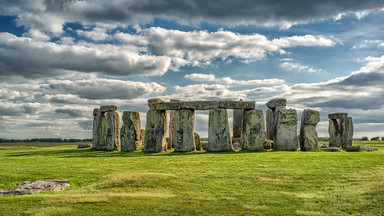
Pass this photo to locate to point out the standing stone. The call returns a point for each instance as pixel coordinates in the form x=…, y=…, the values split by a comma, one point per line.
x=271, y=116
x=155, y=131
x=254, y=134
x=96, y=123
x=197, y=141
x=100, y=140
x=219, y=135
x=183, y=130
x=308, y=133
x=171, y=139
x=130, y=132
x=340, y=130
x=142, y=136
x=237, y=122
x=286, y=130
x=113, y=131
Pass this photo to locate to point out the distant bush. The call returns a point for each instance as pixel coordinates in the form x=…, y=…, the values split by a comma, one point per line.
x=364, y=139
x=375, y=138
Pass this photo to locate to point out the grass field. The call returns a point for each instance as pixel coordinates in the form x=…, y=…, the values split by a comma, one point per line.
x=197, y=183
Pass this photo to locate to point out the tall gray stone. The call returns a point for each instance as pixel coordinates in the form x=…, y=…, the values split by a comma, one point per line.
x=286, y=130
x=130, y=132
x=101, y=131
x=112, y=131
x=271, y=116
x=237, y=122
x=171, y=142
x=155, y=131
x=340, y=130
x=96, y=123
x=219, y=135
x=254, y=134
x=197, y=141
x=308, y=133
x=184, y=122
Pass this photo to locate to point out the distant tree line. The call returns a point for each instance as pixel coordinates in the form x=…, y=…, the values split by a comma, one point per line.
x=52, y=140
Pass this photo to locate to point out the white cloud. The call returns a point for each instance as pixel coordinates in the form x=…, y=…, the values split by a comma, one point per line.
x=294, y=66
x=230, y=81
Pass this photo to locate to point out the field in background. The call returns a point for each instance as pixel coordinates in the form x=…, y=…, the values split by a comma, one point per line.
x=197, y=183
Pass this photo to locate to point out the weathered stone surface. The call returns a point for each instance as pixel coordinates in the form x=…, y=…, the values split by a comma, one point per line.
x=171, y=140
x=99, y=131
x=334, y=133
x=200, y=105
x=96, y=111
x=89, y=145
x=254, y=134
x=197, y=141
x=203, y=105
x=308, y=133
x=340, y=130
x=337, y=115
x=286, y=130
x=154, y=101
x=130, y=132
x=359, y=148
x=184, y=123
x=270, y=124
x=110, y=108
x=348, y=136
x=32, y=187
x=155, y=131
x=219, y=135
x=237, y=105
x=142, y=136
x=331, y=149
x=237, y=122
x=272, y=104
x=112, y=138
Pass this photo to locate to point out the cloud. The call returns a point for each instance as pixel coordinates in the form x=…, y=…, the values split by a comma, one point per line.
x=205, y=92
x=294, y=66
x=198, y=48
x=229, y=81
x=102, y=89
x=51, y=15
x=28, y=58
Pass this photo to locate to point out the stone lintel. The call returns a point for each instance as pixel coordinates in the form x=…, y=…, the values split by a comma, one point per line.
x=204, y=105
x=110, y=108
x=337, y=115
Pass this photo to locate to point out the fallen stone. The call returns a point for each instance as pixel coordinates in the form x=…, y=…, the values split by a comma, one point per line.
x=219, y=135
x=154, y=101
x=130, y=137
x=155, y=131
x=322, y=145
x=331, y=149
x=357, y=148
x=184, y=124
x=254, y=134
x=111, y=108
x=272, y=104
x=32, y=187
x=268, y=144
x=197, y=141
x=308, y=133
x=85, y=145
x=286, y=131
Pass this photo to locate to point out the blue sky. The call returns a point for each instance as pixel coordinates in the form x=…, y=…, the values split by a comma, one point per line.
x=61, y=59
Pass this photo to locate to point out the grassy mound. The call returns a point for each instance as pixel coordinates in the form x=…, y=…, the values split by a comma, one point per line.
x=197, y=183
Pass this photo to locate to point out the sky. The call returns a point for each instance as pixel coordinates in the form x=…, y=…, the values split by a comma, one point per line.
x=61, y=59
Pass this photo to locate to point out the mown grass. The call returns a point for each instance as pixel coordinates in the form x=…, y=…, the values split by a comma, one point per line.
x=197, y=183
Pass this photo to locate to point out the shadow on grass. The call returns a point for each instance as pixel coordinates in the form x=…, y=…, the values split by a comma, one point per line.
x=84, y=153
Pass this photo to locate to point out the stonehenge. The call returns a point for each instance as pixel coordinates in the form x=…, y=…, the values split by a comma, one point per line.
x=340, y=130
x=308, y=133
x=249, y=129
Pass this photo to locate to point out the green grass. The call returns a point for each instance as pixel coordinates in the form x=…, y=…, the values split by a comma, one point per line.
x=197, y=183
